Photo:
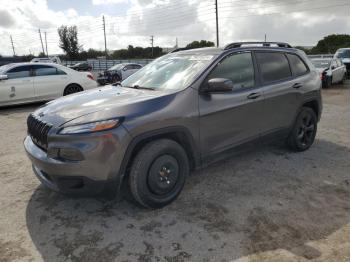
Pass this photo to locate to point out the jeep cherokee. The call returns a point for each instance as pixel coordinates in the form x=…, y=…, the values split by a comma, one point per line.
x=178, y=113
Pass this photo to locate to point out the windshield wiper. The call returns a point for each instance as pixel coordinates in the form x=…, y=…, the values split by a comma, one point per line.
x=140, y=87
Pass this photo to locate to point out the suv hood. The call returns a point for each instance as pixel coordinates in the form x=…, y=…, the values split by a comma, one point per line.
x=96, y=104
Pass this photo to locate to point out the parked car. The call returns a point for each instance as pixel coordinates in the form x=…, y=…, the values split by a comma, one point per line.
x=51, y=59
x=31, y=82
x=344, y=55
x=83, y=66
x=178, y=113
x=331, y=71
x=117, y=73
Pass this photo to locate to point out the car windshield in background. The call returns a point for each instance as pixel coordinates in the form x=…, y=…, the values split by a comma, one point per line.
x=343, y=54
x=116, y=67
x=321, y=63
x=170, y=72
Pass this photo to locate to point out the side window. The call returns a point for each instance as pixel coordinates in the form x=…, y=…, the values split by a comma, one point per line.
x=238, y=68
x=128, y=67
x=298, y=66
x=273, y=66
x=19, y=72
x=61, y=72
x=334, y=64
x=137, y=66
x=44, y=70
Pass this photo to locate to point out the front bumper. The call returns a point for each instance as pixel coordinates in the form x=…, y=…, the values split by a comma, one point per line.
x=97, y=171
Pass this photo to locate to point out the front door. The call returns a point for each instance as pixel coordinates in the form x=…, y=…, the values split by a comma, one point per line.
x=18, y=88
x=231, y=118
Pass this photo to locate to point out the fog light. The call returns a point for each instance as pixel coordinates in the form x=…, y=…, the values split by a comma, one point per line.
x=70, y=154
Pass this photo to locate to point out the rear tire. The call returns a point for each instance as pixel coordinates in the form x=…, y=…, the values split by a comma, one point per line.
x=158, y=173
x=328, y=82
x=303, y=133
x=71, y=89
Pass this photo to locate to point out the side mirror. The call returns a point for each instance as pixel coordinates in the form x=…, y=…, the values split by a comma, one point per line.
x=220, y=85
x=3, y=77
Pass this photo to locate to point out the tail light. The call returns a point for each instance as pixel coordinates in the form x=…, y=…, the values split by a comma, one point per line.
x=323, y=76
x=90, y=76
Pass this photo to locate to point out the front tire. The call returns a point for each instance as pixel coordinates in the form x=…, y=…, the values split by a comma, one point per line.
x=158, y=173
x=303, y=133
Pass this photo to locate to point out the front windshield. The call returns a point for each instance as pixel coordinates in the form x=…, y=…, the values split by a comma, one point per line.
x=343, y=54
x=321, y=63
x=170, y=72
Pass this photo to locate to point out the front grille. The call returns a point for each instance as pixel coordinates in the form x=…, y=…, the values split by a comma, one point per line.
x=38, y=131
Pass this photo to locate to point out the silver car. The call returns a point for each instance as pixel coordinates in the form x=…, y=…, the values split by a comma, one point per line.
x=332, y=70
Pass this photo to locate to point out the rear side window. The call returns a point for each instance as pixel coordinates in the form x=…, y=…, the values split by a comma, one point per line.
x=19, y=72
x=238, y=68
x=297, y=65
x=339, y=62
x=273, y=66
x=44, y=70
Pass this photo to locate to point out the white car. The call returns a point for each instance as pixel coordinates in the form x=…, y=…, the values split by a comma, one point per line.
x=31, y=82
x=344, y=55
x=332, y=70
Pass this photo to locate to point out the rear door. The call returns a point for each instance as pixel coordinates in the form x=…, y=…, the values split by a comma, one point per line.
x=49, y=82
x=231, y=118
x=18, y=87
x=281, y=88
x=336, y=72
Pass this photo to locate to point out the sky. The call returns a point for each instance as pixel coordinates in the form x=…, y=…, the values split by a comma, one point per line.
x=132, y=22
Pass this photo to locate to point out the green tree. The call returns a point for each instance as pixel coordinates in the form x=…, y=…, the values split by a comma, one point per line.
x=69, y=41
x=137, y=52
x=331, y=43
x=199, y=44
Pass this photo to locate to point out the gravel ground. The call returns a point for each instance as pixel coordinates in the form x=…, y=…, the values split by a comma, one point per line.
x=267, y=204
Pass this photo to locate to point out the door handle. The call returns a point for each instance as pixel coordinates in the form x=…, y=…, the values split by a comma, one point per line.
x=253, y=96
x=297, y=85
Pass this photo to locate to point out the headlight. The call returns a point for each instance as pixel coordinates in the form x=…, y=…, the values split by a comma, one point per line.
x=90, y=127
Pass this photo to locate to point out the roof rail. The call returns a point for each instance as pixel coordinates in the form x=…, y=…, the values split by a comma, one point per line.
x=264, y=44
x=179, y=49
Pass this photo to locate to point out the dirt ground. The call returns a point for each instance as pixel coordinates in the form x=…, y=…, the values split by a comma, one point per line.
x=267, y=204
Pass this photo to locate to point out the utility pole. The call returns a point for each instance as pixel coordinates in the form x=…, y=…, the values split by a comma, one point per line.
x=176, y=45
x=13, y=47
x=47, y=53
x=104, y=32
x=265, y=38
x=152, y=40
x=217, y=23
x=41, y=40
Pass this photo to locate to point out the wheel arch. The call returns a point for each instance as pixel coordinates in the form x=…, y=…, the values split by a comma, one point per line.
x=314, y=105
x=70, y=84
x=181, y=135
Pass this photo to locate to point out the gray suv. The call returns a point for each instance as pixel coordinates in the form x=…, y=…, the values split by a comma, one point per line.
x=178, y=113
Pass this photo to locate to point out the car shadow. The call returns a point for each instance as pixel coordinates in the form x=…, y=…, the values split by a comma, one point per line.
x=257, y=201
x=9, y=110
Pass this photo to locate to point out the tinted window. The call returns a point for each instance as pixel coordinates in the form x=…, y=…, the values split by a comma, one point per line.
x=297, y=65
x=19, y=72
x=238, y=68
x=136, y=66
x=44, y=70
x=273, y=66
x=61, y=72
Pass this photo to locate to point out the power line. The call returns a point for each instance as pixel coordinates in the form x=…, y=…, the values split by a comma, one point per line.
x=104, y=32
x=217, y=23
x=13, y=48
x=41, y=40
x=47, y=53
